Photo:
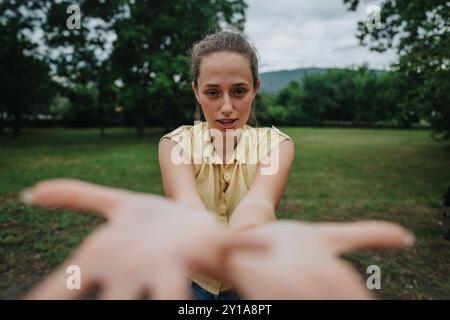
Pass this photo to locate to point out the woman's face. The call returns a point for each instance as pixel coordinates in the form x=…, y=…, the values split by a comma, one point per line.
x=225, y=90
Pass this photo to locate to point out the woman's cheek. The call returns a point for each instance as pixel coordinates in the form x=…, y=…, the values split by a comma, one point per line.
x=245, y=107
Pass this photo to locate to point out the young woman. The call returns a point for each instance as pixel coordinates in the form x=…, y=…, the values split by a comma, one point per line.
x=223, y=165
x=229, y=171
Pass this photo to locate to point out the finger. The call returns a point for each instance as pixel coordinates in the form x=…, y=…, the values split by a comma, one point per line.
x=230, y=241
x=74, y=194
x=345, y=237
x=171, y=283
x=211, y=259
x=73, y=280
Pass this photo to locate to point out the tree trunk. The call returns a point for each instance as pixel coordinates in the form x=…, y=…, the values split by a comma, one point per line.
x=169, y=118
x=2, y=122
x=102, y=130
x=102, y=121
x=17, y=123
x=140, y=126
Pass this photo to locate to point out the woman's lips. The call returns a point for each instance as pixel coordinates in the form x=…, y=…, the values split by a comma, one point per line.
x=227, y=123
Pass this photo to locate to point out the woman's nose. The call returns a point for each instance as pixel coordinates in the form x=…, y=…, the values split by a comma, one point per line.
x=227, y=106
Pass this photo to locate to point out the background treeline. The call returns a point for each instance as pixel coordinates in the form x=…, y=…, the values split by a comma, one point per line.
x=341, y=97
x=337, y=97
x=128, y=64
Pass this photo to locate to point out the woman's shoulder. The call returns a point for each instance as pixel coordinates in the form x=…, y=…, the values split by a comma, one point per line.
x=268, y=138
x=271, y=134
x=182, y=132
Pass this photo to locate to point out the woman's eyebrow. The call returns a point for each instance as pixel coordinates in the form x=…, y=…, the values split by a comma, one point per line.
x=213, y=85
x=240, y=84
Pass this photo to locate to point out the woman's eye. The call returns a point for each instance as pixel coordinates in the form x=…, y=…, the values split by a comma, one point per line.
x=212, y=93
x=240, y=92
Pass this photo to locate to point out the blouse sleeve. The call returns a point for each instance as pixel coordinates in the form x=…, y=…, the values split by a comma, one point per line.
x=269, y=139
x=182, y=136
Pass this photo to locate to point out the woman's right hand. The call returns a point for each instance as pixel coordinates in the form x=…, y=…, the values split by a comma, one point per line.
x=146, y=247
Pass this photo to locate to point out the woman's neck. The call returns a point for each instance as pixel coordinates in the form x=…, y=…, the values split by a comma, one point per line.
x=226, y=143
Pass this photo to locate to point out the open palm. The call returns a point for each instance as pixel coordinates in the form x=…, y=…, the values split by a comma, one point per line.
x=146, y=247
x=302, y=259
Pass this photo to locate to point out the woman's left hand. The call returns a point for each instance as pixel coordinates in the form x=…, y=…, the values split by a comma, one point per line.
x=302, y=260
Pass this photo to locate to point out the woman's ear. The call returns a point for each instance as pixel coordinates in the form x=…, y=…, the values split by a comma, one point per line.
x=256, y=88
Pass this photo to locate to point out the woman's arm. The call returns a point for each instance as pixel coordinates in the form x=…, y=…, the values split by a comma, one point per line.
x=178, y=179
x=259, y=204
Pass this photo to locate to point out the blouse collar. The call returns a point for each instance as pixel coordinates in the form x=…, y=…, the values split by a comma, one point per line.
x=204, y=147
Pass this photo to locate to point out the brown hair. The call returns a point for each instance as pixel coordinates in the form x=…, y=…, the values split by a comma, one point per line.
x=223, y=41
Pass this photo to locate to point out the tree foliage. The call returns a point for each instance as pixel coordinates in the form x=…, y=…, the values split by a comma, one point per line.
x=420, y=32
x=24, y=73
x=341, y=96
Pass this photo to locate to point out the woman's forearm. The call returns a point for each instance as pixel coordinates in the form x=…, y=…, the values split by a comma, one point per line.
x=251, y=213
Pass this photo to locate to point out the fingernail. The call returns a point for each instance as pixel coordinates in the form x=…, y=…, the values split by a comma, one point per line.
x=410, y=240
x=26, y=196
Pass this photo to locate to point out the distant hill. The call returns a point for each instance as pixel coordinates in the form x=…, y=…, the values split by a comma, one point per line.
x=272, y=82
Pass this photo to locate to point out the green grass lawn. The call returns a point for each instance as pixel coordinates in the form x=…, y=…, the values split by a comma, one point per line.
x=337, y=175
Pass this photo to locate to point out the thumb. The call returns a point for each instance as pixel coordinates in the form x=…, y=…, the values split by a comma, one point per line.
x=346, y=237
x=212, y=261
x=74, y=194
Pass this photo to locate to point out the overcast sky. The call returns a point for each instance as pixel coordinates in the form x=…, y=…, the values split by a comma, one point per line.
x=289, y=34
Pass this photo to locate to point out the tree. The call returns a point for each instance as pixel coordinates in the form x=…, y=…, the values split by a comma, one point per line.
x=288, y=108
x=150, y=54
x=24, y=74
x=358, y=97
x=107, y=93
x=420, y=32
x=141, y=45
x=80, y=56
x=265, y=111
x=330, y=96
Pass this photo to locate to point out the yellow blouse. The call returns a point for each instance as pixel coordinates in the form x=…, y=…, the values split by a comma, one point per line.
x=222, y=186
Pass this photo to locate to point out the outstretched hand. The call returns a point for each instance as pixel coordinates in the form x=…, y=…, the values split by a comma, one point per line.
x=302, y=259
x=146, y=247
